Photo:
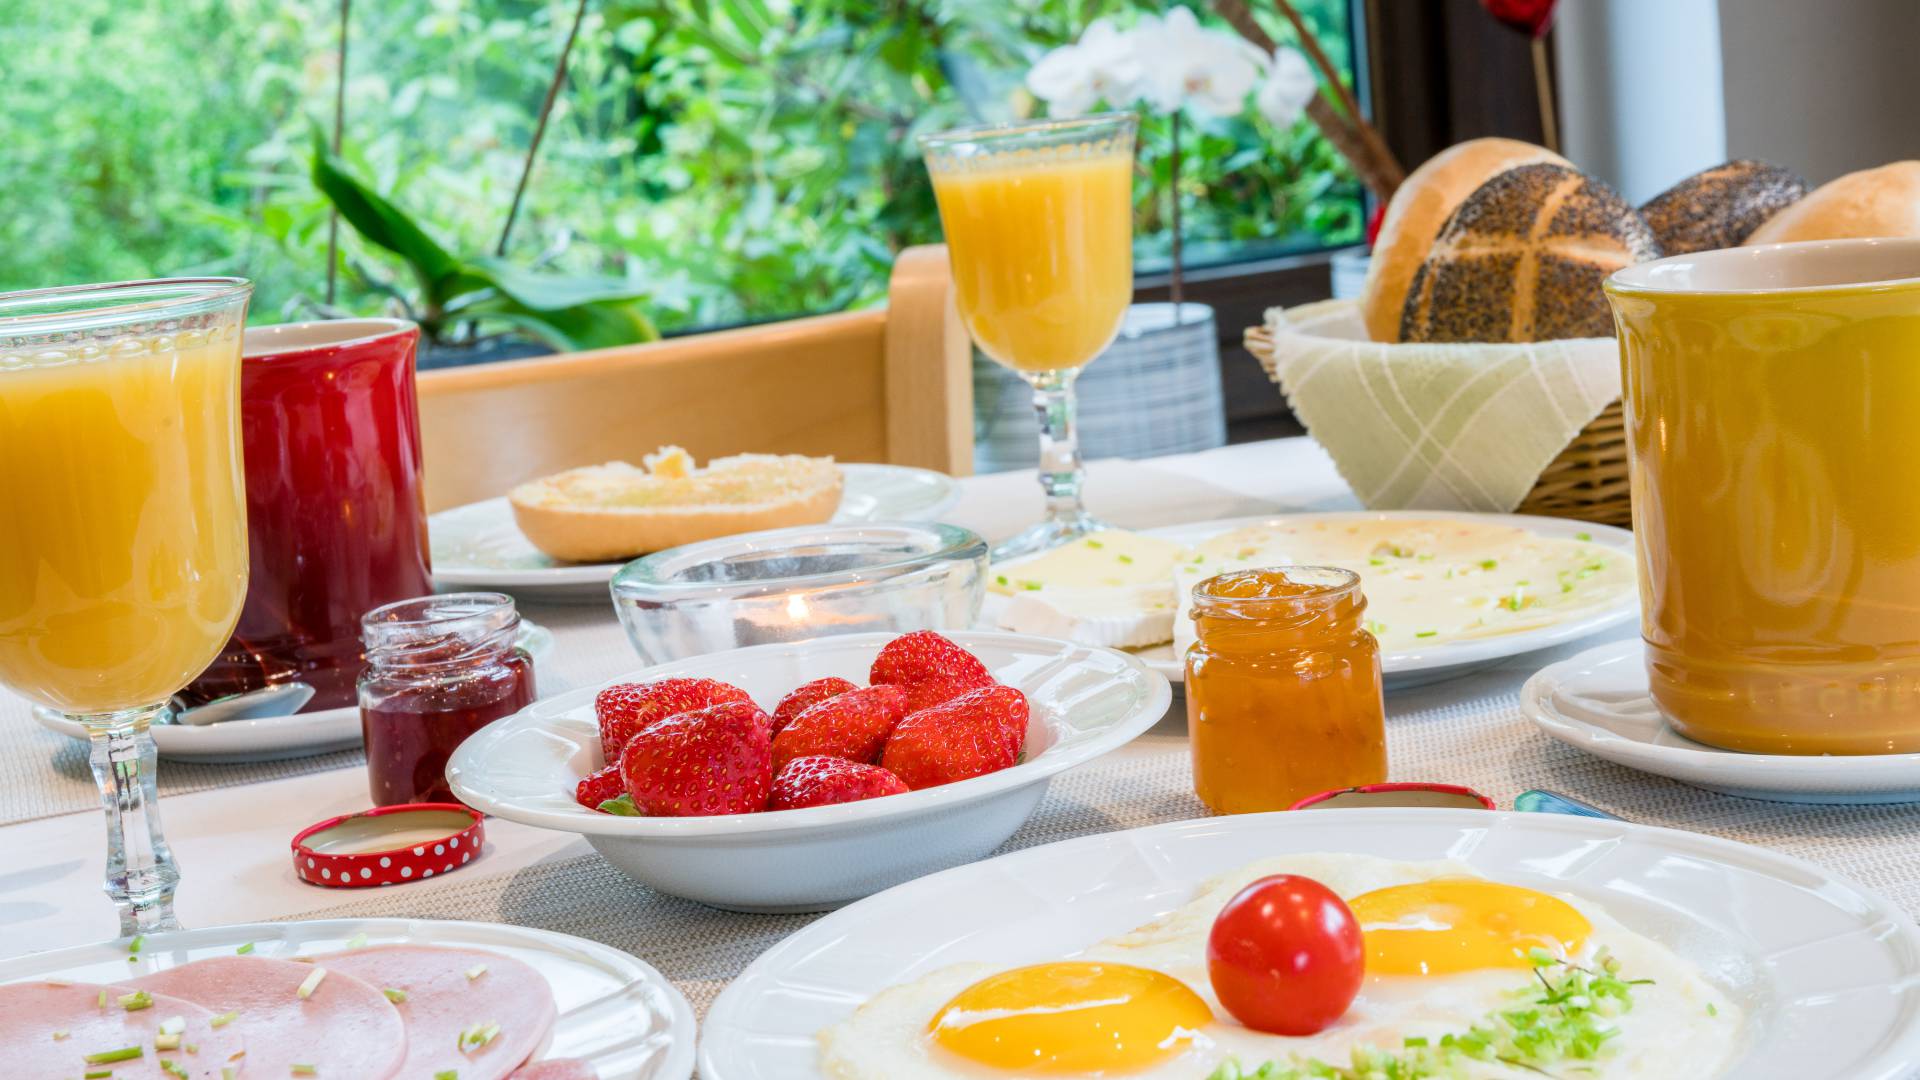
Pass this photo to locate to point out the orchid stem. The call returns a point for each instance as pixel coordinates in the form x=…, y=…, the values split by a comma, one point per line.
x=1175, y=287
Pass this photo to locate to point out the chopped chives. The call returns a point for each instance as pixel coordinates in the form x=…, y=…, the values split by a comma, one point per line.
x=398, y=996
x=125, y=1053
x=224, y=1019
x=476, y=971
x=447, y=1074
x=59, y=1035
x=136, y=1001
x=174, y=1068
x=311, y=983
x=97, y=1074
x=1428, y=633
x=173, y=1025
x=357, y=941
x=166, y=1040
x=244, y=949
x=304, y=1070
x=134, y=945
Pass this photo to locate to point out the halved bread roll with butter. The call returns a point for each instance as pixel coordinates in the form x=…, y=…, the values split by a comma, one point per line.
x=617, y=511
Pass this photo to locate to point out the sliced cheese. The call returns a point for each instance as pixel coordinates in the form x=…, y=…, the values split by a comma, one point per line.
x=1121, y=618
x=1111, y=558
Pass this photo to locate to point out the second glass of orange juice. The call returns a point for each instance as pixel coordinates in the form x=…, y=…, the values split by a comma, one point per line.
x=1039, y=226
x=123, y=535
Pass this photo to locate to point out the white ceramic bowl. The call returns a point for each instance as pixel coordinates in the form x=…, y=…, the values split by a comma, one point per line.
x=1085, y=702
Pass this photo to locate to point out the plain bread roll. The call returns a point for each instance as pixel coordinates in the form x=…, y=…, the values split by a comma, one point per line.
x=1872, y=202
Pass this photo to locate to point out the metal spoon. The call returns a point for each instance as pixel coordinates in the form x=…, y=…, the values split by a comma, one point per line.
x=280, y=699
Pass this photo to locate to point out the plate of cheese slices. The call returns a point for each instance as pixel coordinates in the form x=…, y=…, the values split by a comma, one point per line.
x=1446, y=592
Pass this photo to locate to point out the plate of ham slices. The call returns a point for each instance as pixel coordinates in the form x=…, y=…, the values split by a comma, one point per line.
x=359, y=999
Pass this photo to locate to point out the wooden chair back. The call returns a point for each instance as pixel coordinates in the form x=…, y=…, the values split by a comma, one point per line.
x=889, y=384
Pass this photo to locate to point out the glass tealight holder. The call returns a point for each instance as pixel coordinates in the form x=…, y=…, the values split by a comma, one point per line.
x=798, y=583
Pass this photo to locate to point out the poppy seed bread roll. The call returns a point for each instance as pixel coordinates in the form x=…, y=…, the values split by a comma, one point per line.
x=1522, y=259
x=1419, y=210
x=1720, y=207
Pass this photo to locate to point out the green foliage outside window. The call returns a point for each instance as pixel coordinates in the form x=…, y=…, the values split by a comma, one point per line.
x=732, y=159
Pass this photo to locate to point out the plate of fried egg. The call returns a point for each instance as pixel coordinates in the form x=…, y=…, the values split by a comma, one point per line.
x=1446, y=592
x=1478, y=945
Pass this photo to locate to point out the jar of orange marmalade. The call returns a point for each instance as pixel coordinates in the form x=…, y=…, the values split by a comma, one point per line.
x=1283, y=688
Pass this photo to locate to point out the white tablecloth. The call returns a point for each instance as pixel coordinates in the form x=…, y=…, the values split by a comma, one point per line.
x=231, y=841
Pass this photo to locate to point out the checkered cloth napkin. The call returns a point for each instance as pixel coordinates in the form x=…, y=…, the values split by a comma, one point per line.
x=1436, y=427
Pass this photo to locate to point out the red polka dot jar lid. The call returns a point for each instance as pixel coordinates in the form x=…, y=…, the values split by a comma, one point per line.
x=388, y=845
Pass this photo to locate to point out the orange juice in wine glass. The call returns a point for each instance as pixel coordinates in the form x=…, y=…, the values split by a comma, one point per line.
x=1039, y=225
x=1042, y=256
x=123, y=555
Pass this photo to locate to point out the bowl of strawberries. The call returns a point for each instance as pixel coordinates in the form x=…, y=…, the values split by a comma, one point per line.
x=802, y=776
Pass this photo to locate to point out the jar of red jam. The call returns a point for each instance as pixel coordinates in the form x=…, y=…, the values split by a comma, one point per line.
x=1283, y=688
x=439, y=668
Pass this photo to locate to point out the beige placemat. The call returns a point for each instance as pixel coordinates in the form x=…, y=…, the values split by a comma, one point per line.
x=1483, y=742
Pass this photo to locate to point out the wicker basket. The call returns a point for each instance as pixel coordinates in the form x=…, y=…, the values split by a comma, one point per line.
x=1586, y=482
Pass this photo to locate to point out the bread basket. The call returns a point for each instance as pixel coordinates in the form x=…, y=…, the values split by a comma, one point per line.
x=1586, y=480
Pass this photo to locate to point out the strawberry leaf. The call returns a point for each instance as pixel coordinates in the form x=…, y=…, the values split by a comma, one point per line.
x=621, y=806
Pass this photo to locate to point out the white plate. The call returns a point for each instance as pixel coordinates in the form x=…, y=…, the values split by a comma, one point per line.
x=1084, y=702
x=1825, y=970
x=1598, y=702
x=1418, y=667
x=477, y=546
x=614, y=1011
x=273, y=738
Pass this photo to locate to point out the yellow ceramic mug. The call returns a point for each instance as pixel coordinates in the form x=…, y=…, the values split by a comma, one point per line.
x=1772, y=397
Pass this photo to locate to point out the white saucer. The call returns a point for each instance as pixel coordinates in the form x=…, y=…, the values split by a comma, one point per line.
x=1598, y=702
x=478, y=546
x=274, y=738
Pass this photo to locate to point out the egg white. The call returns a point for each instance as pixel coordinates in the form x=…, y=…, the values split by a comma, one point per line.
x=1680, y=1025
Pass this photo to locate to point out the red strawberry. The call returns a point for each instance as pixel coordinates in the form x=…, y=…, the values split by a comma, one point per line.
x=974, y=734
x=596, y=788
x=938, y=691
x=817, y=780
x=806, y=697
x=852, y=726
x=626, y=709
x=923, y=656
x=717, y=760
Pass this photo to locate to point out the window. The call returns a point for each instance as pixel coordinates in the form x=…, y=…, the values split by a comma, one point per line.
x=738, y=159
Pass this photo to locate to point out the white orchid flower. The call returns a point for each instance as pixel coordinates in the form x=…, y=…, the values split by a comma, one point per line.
x=1101, y=66
x=1189, y=66
x=1289, y=87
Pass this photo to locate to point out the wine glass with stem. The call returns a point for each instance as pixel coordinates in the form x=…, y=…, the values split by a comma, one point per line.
x=1038, y=219
x=123, y=532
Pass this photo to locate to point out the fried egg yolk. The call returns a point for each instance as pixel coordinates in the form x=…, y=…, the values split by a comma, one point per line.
x=1071, y=1017
x=1446, y=926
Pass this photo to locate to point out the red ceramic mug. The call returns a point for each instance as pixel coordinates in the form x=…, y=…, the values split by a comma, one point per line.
x=336, y=514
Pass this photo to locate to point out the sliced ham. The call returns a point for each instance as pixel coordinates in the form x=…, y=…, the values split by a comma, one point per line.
x=450, y=992
x=344, y=1028
x=32, y=1013
x=557, y=1069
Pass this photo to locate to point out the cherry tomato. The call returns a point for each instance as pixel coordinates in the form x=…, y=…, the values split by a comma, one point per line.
x=1285, y=956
